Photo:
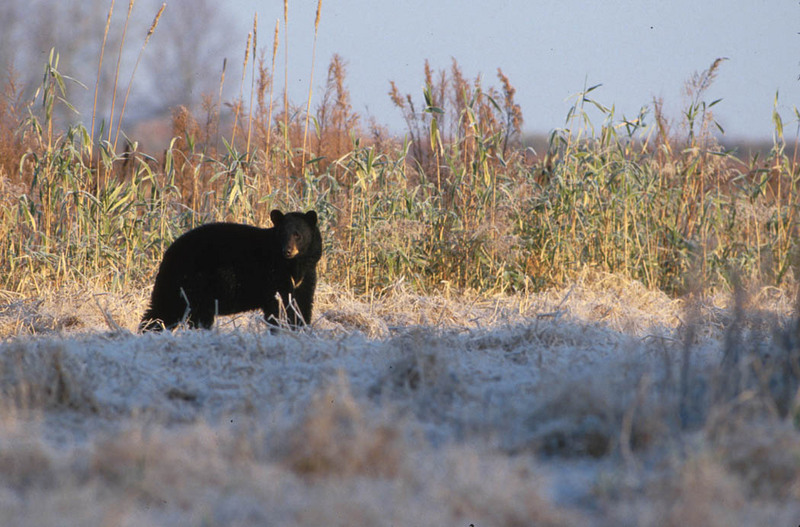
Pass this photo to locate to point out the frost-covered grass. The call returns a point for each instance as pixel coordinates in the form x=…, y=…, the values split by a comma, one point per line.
x=601, y=403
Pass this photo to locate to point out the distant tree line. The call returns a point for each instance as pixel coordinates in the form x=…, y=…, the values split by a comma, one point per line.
x=177, y=68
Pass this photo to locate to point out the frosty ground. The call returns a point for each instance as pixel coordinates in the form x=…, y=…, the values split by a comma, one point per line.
x=599, y=403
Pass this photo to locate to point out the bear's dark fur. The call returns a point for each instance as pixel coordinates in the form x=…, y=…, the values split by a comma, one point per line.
x=226, y=268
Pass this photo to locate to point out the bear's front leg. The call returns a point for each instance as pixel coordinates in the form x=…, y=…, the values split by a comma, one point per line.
x=272, y=310
x=303, y=297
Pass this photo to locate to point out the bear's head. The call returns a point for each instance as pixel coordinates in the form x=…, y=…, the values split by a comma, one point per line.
x=298, y=233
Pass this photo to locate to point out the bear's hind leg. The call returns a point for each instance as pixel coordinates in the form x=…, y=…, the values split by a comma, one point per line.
x=159, y=317
x=203, y=319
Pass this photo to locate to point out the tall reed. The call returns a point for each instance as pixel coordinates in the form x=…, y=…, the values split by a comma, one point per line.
x=150, y=32
x=252, y=88
x=461, y=203
x=99, y=69
x=310, y=83
x=267, y=152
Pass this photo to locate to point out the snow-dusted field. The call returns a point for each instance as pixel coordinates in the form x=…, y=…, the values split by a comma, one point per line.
x=598, y=404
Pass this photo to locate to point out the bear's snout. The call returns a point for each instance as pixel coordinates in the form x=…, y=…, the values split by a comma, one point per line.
x=290, y=251
x=292, y=246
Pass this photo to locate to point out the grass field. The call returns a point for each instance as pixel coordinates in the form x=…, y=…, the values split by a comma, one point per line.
x=602, y=403
x=602, y=331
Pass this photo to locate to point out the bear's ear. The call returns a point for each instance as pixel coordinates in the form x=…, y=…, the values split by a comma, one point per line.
x=311, y=218
x=276, y=216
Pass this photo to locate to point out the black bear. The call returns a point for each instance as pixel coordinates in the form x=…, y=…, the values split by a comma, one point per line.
x=226, y=268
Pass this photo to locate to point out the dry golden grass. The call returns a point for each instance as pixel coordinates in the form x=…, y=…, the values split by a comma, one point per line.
x=459, y=205
x=335, y=439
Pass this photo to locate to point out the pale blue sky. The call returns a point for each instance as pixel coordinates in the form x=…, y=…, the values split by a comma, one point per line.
x=637, y=49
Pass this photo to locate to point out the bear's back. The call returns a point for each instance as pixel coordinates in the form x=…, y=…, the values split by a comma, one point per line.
x=213, y=243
